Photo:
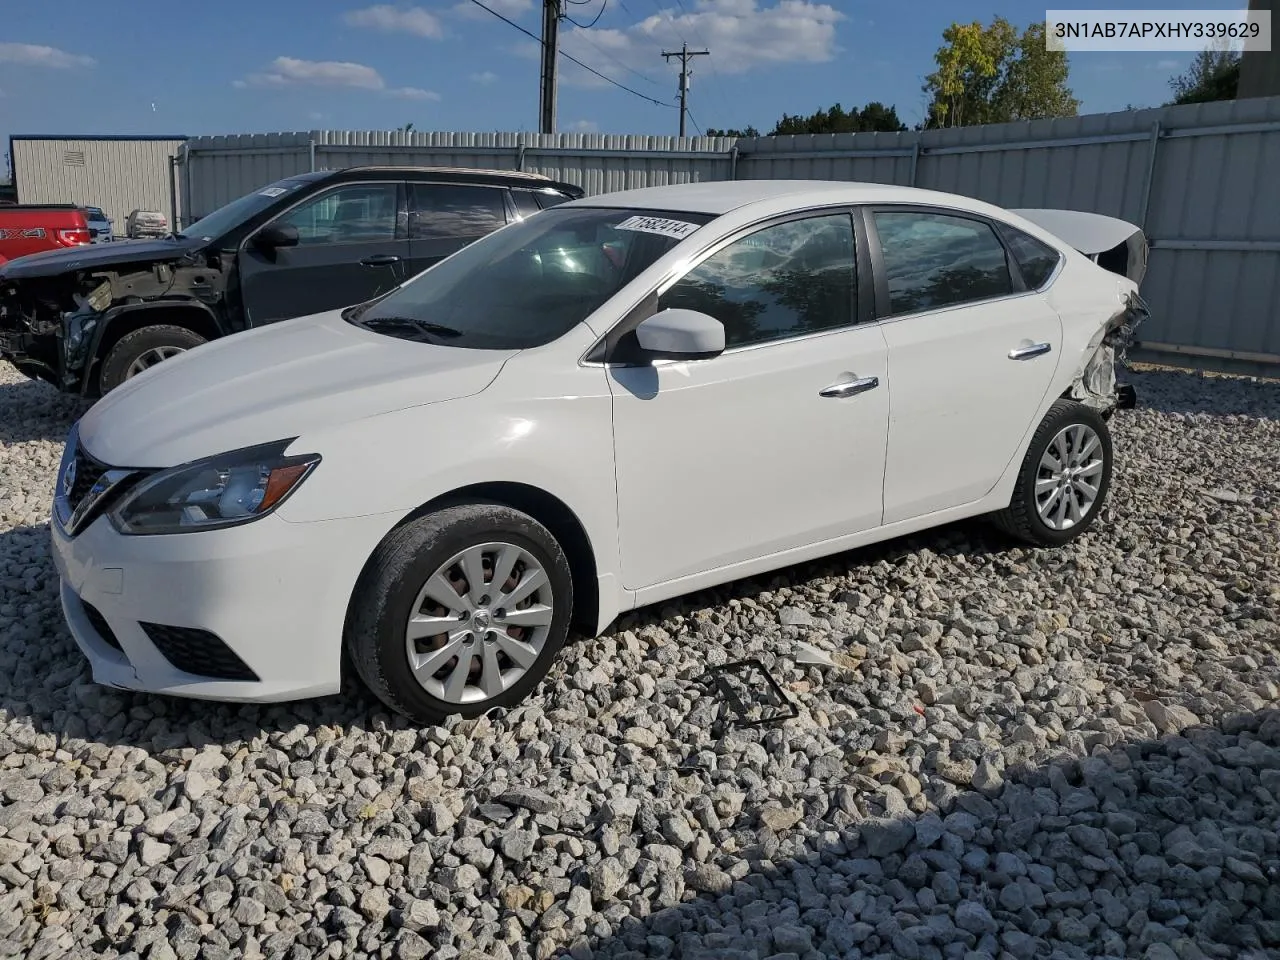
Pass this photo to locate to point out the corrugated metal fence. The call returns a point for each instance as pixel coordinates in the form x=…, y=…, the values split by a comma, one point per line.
x=118, y=174
x=1203, y=181
x=219, y=169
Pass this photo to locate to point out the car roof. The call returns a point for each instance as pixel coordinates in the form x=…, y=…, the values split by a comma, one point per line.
x=503, y=178
x=719, y=197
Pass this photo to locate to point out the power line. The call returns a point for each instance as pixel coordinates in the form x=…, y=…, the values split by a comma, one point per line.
x=693, y=121
x=587, y=26
x=631, y=70
x=684, y=55
x=697, y=35
x=573, y=59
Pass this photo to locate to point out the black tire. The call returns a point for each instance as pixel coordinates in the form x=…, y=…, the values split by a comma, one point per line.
x=384, y=598
x=1021, y=518
x=137, y=344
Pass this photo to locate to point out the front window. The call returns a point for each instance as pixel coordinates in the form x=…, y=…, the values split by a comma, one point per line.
x=531, y=282
x=231, y=215
x=354, y=213
x=787, y=280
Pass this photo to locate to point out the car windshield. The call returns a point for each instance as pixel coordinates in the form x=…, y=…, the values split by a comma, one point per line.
x=94, y=213
x=239, y=210
x=529, y=283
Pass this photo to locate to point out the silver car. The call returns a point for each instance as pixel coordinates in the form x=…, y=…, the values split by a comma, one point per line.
x=99, y=225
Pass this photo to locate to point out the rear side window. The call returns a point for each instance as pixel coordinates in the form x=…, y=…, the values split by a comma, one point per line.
x=934, y=260
x=526, y=204
x=549, y=199
x=1036, y=259
x=449, y=211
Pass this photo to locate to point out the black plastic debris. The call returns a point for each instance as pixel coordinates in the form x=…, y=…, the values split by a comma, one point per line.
x=750, y=696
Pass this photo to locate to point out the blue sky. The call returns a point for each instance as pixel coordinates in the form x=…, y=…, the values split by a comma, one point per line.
x=146, y=66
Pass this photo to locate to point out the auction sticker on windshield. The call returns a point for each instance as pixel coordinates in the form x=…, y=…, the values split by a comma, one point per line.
x=679, y=229
x=271, y=192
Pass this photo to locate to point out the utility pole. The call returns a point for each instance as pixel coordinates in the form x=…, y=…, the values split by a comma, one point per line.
x=550, y=54
x=684, y=55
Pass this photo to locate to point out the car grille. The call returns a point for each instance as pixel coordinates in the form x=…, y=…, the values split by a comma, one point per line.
x=100, y=625
x=198, y=652
x=88, y=472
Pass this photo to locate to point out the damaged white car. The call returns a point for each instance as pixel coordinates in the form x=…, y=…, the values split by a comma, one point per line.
x=612, y=402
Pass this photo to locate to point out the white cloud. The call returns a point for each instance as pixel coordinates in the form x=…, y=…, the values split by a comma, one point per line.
x=512, y=9
x=291, y=72
x=584, y=126
x=742, y=35
x=413, y=93
x=1165, y=65
x=484, y=79
x=383, y=16
x=35, y=55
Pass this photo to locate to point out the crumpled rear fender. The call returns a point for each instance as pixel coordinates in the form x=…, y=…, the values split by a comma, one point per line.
x=1095, y=385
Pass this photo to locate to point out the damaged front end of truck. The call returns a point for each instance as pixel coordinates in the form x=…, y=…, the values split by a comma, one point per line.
x=59, y=314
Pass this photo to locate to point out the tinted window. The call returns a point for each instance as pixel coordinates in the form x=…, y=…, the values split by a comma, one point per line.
x=355, y=213
x=448, y=211
x=528, y=284
x=782, y=281
x=549, y=199
x=1035, y=259
x=526, y=204
x=238, y=211
x=933, y=260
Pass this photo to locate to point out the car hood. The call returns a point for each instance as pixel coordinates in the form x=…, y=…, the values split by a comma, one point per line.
x=274, y=383
x=49, y=263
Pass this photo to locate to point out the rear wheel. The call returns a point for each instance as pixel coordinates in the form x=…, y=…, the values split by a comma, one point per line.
x=1064, y=478
x=461, y=611
x=144, y=348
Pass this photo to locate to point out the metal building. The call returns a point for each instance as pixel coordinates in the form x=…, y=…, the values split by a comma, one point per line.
x=117, y=173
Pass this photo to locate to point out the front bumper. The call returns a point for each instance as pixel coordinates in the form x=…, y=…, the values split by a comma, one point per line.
x=273, y=594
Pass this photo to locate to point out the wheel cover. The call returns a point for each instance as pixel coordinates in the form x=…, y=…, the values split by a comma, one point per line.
x=149, y=358
x=1069, y=478
x=479, y=623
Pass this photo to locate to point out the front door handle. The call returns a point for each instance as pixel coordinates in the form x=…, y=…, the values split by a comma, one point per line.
x=848, y=388
x=380, y=260
x=1026, y=353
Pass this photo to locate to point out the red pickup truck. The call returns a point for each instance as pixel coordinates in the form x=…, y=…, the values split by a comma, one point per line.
x=35, y=227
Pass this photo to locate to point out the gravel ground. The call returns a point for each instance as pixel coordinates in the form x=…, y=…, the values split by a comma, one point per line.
x=1013, y=753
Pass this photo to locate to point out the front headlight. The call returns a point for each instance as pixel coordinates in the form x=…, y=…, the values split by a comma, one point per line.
x=222, y=491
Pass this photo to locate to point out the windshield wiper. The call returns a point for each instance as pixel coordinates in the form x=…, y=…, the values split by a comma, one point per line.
x=422, y=326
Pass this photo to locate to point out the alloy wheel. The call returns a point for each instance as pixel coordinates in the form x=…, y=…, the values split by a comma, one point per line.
x=1069, y=477
x=150, y=358
x=479, y=623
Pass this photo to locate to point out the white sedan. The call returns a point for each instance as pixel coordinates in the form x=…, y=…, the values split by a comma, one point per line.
x=616, y=401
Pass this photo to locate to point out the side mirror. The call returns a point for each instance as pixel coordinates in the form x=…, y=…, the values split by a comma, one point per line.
x=276, y=235
x=681, y=335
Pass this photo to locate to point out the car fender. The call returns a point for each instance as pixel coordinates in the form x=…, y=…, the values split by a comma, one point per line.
x=96, y=325
x=558, y=441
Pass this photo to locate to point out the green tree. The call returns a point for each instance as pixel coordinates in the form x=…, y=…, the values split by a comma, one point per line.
x=1213, y=75
x=874, y=116
x=994, y=74
x=748, y=131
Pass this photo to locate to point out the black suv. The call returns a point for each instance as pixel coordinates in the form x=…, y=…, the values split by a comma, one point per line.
x=86, y=319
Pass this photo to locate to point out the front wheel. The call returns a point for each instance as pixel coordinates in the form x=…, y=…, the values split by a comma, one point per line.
x=1064, y=477
x=141, y=349
x=460, y=611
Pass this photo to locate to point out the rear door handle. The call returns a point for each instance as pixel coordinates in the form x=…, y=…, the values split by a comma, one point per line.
x=380, y=260
x=848, y=388
x=1026, y=353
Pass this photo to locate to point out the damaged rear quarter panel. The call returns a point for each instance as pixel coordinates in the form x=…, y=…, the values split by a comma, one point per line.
x=1100, y=313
